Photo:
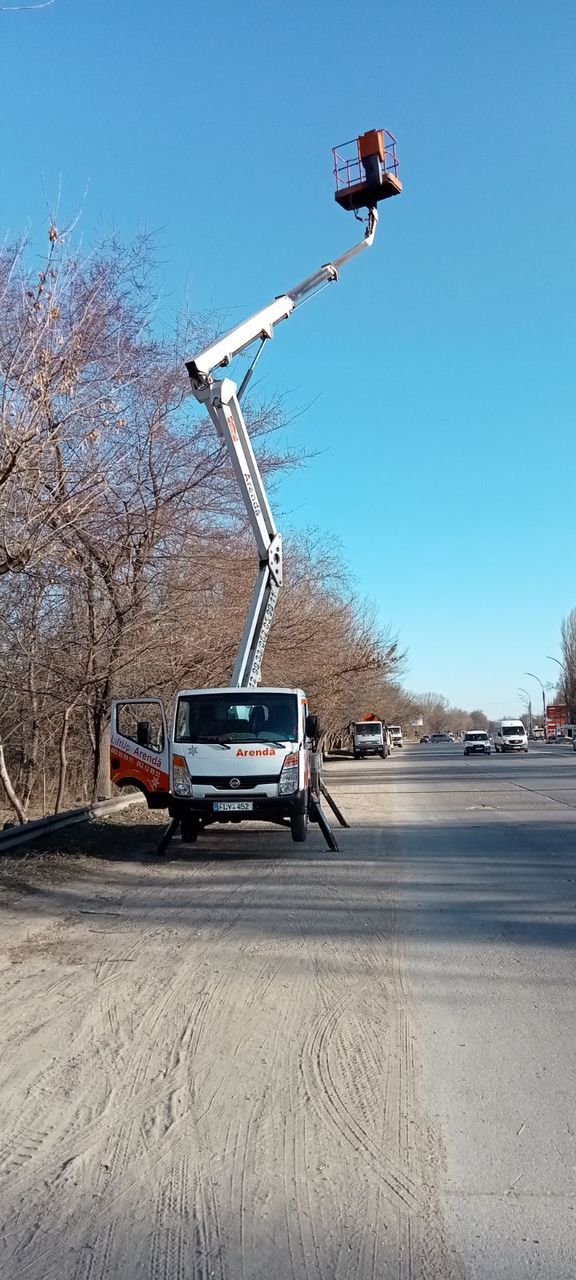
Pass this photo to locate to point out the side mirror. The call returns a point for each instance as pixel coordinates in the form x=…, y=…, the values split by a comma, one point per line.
x=312, y=728
x=143, y=733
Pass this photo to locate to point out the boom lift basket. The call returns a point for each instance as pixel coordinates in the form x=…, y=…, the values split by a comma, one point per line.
x=366, y=170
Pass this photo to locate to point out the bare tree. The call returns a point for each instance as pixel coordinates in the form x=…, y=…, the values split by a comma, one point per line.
x=568, y=643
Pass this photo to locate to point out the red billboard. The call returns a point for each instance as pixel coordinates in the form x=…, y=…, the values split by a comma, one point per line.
x=556, y=718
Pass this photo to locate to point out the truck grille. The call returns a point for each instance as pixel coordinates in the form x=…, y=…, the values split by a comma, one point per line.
x=247, y=781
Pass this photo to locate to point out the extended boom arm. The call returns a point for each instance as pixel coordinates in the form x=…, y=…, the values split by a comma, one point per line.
x=222, y=400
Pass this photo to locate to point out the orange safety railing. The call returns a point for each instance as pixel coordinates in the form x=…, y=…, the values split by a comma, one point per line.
x=348, y=167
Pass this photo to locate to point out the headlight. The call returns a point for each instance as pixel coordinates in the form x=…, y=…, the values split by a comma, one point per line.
x=289, y=776
x=181, y=780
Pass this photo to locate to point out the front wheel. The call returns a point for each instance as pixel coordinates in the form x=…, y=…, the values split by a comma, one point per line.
x=299, y=827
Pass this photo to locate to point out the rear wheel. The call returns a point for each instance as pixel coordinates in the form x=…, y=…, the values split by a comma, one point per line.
x=190, y=829
x=299, y=827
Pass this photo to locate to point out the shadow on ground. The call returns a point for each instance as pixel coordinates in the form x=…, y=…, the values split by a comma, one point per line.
x=479, y=879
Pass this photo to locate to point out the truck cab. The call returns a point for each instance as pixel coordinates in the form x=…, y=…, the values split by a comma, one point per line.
x=368, y=739
x=395, y=734
x=234, y=754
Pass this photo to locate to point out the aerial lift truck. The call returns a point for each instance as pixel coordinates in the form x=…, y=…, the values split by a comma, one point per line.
x=247, y=751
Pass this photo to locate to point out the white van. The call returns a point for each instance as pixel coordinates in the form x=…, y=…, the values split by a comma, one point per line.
x=511, y=736
x=234, y=754
x=368, y=739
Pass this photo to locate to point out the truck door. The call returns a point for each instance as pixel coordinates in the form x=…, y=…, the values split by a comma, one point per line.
x=140, y=748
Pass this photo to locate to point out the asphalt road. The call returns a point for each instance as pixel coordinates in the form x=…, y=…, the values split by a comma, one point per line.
x=258, y=1061
x=487, y=910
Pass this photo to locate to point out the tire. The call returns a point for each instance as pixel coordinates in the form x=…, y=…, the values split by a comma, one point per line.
x=382, y=754
x=488, y=751
x=356, y=755
x=299, y=827
x=189, y=829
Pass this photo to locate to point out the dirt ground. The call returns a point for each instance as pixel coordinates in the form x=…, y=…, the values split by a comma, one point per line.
x=209, y=1062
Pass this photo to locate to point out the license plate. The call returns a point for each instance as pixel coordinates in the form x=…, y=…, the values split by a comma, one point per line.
x=233, y=806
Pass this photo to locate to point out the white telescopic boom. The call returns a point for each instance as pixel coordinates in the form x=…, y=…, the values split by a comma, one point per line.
x=261, y=325
x=222, y=400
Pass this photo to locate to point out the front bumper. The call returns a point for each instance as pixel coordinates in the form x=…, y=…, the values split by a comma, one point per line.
x=477, y=751
x=264, y=808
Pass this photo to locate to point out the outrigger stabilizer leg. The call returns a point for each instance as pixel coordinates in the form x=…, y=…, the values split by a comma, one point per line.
x=317, y=815
x=333, y=805
x=316, y=812
x=168, y=834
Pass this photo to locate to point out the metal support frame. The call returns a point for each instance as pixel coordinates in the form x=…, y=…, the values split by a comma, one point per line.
x=223, y=405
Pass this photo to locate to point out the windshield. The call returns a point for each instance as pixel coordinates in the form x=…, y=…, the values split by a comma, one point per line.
x=369, y=728
x=476, y=737
x=246, y=716
x=512, y=730
x=394, y=728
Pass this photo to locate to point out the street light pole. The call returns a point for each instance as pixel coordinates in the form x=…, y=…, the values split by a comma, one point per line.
x=529, y=701
x=563, y=670
x=533, y=677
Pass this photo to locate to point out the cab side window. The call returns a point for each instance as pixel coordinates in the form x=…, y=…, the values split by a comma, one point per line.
x=141, y=723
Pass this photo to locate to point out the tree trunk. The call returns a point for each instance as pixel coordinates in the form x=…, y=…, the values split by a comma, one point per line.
x=102, y=789
x=9, y=789
x=63, y=760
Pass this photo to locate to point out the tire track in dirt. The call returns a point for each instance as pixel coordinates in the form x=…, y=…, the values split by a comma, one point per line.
x=361, y=1075
x=301, y=1240
x=168, y=1104
x=169, y=1242
x=321, y=1072
x=151, y=1028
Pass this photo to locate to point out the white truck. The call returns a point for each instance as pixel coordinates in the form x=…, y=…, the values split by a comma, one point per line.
x=368, y=739
x=511, y=736
x=232, y=754
x=244, y=751
x=395, y=734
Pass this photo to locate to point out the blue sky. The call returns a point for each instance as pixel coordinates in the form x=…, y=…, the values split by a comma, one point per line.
x=437, y=377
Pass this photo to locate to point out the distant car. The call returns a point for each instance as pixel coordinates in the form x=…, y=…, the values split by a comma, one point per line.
x=440, y=737
x=426, y=738
x=476, y=741
x=511, y=736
